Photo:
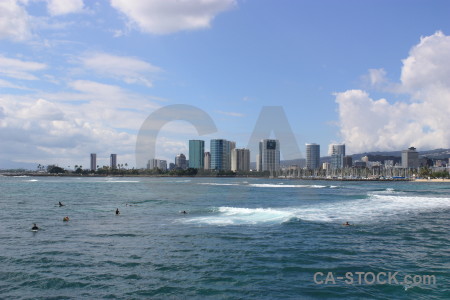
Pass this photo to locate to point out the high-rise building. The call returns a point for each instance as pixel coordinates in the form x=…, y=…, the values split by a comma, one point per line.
x=196, y=154
x=410, y=158
x=162, y=164
x=220, y=155
x=93, y=161
x=180, y=161
x=348, y=161
x=152, y=164
x=337, y=155
x=269, y=155
x=240, y=160
x=113, y=161
x=207, y=160
x=312, y=156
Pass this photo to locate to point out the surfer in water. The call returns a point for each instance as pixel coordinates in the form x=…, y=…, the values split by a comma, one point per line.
x=184, y=212
x=117, y=212
x=34, y=227
x=60, y=204
x=66, y=219
x=347, y=224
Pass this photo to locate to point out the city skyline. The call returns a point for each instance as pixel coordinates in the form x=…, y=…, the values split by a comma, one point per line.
x=82, y=78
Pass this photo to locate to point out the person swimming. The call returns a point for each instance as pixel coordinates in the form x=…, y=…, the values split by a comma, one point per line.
x=117, y=212
x=66, y=219
x=34, y=227
x=60, y=204
x=184, y=212
x=347, y=224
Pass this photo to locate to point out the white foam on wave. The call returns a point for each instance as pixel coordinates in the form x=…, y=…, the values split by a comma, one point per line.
x=21, y=176
x=281, y=185
x=212, y=183
x=121, y=181
x=377, y=208
x=32, y=180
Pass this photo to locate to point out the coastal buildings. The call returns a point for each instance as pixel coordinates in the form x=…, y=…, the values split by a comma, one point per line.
x=180, y=161
x=269, y=155
x=337, y=152
x=348, y=161
x=113, y=161
x=312, y=156
x=410, y=158
x=207, y=161
x=220, y=155
x=240, y=160
x=93, y=161
x=157, y=164
x=196, y=154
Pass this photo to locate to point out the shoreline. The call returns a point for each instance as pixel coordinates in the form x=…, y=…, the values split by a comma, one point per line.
x=434, y=180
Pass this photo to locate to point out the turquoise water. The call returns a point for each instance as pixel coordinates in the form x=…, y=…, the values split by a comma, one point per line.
x=240, y=239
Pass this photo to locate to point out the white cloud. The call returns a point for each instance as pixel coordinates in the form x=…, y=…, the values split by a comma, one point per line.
x=40, y=130
x=423, y=121
x=63, y=7
x=376, y=77
x=168, y=16
x=14, y=21
x=129, y=69
x=19, y=69
x=7, y=84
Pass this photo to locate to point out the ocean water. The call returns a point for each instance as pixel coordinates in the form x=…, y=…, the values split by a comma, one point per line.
x=242, y=238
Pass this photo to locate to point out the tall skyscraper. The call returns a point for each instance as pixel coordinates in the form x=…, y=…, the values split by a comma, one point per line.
x=269, y=155
x=162, y=164
x=240, y=160
x=180, y=161
x=113, y=161
x=337, y=155
x=93, y=161
x=152, y=164
x=207, y=161
x=312, y=156
x=410, y=158
x=220, y=155
x=196, y=154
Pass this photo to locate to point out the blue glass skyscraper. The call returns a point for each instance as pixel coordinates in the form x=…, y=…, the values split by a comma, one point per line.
x=220, y=155
x=196, y=154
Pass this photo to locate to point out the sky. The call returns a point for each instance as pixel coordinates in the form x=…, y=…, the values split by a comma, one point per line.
x=80, y=77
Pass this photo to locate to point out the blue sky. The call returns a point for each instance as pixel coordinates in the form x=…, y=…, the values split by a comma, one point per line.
x=81, y=76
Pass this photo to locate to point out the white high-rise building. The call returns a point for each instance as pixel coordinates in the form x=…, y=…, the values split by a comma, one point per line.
x=337, y=155
x=240, y=160
x=207, y=160
x=180, y=161
x=312, y=156
x=269, y=155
